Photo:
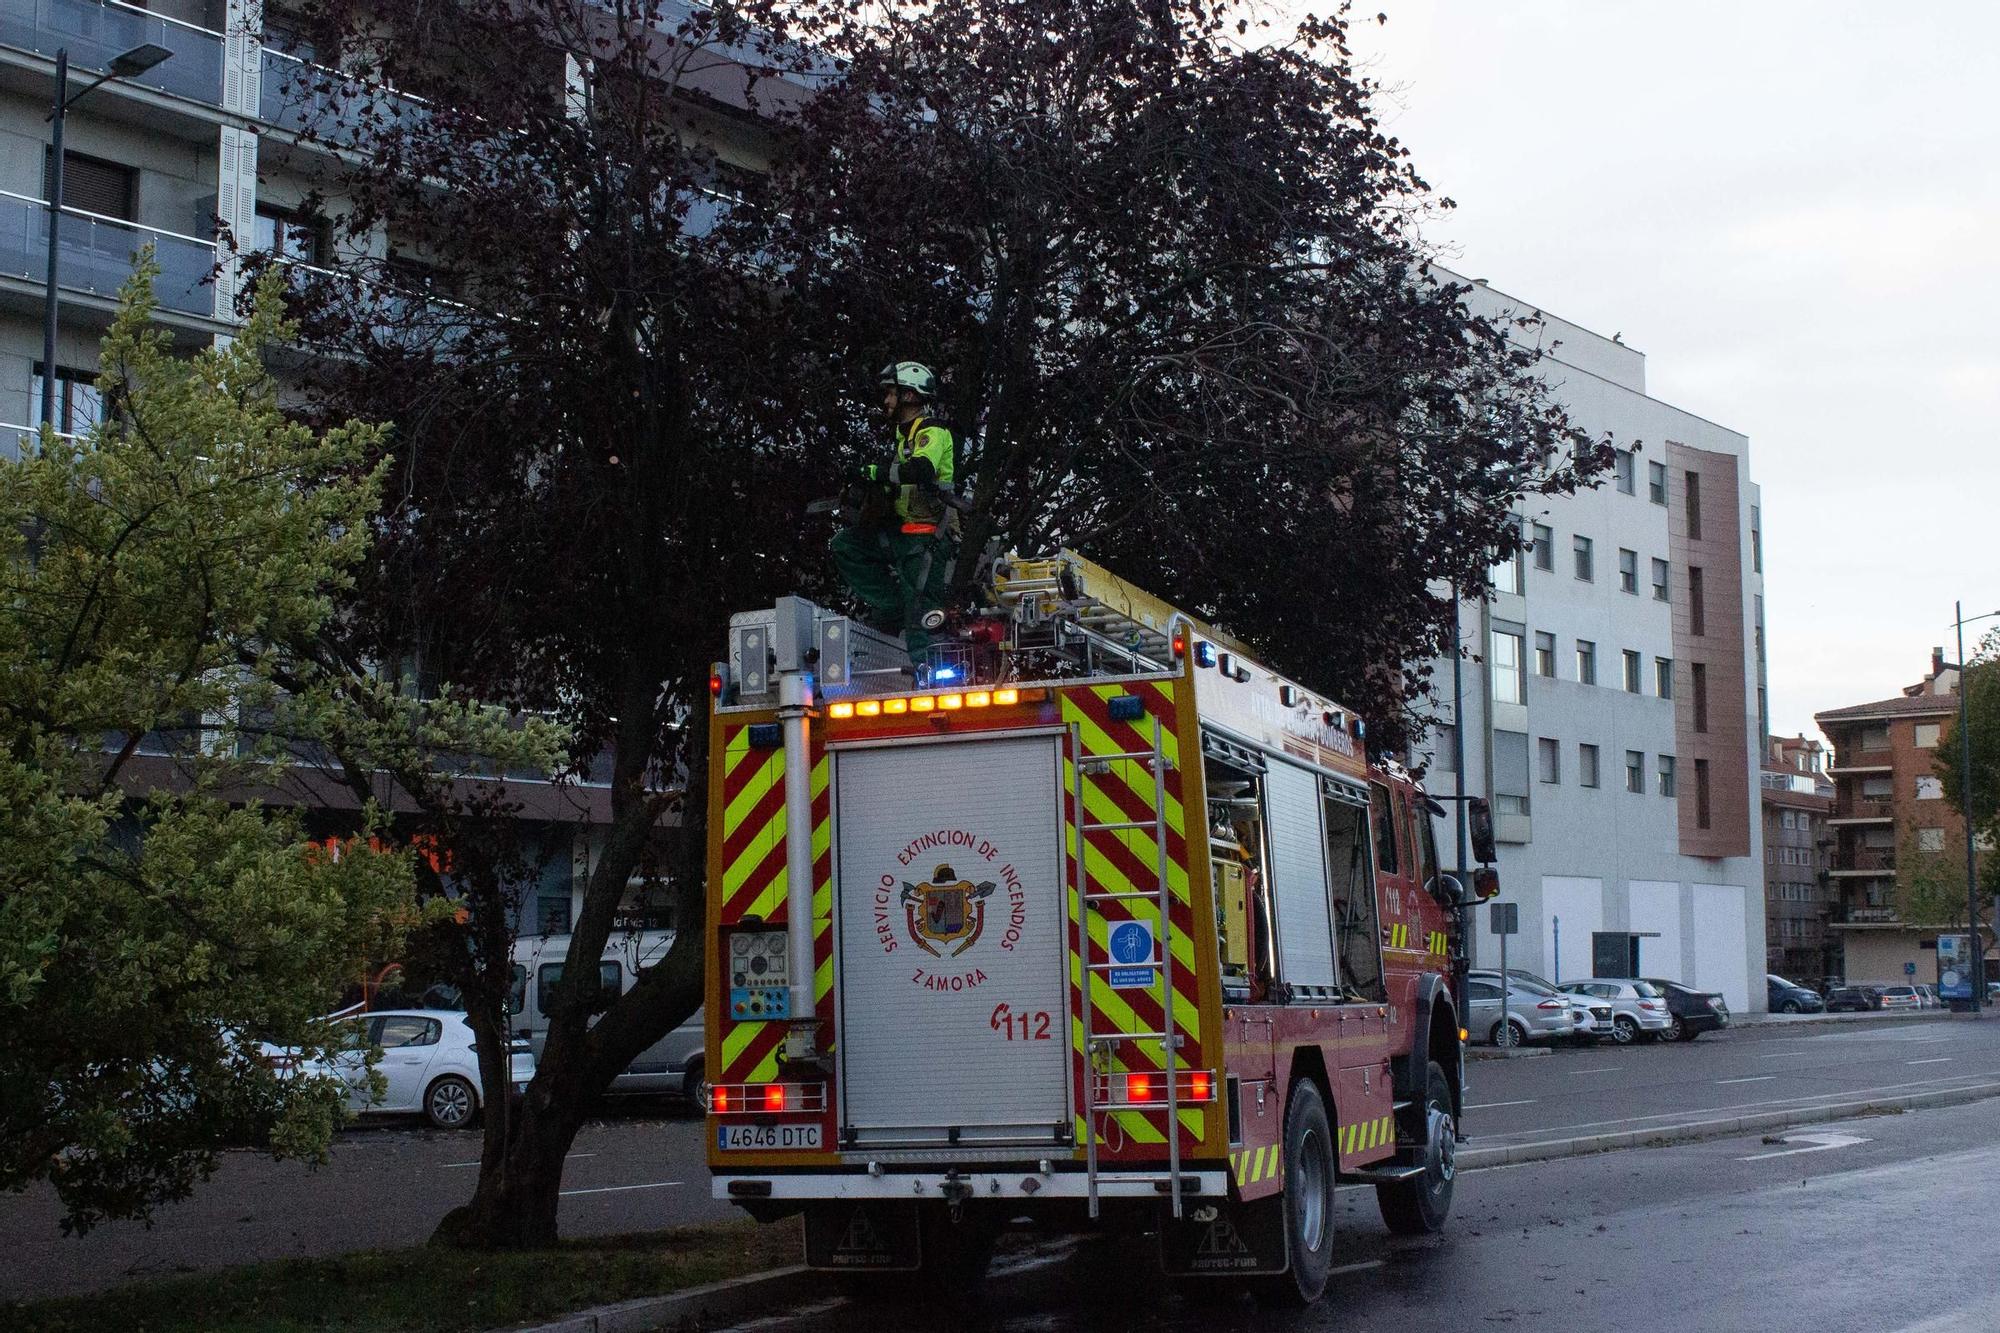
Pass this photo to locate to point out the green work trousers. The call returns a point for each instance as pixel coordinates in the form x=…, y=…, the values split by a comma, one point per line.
x=897, y=575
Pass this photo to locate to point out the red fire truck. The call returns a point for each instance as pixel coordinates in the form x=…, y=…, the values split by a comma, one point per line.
x=1105, y=925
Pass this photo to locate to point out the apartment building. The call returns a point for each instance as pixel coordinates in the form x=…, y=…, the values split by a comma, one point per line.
x=1797, y=798
x=1612, y=699
x=201, y=145
x=1898, y=866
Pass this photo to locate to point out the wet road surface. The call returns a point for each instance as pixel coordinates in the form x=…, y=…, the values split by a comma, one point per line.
x=1856, y=1227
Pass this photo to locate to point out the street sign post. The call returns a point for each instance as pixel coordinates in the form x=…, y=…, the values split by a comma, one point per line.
x=1505, y=920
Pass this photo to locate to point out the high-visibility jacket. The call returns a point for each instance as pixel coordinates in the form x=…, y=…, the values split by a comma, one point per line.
x=926, y=456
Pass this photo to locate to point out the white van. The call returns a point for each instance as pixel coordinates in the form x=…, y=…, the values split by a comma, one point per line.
x=673, y=1064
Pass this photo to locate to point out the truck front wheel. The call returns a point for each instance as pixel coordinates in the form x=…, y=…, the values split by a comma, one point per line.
x=1419, y=1205
x=1310, y=1163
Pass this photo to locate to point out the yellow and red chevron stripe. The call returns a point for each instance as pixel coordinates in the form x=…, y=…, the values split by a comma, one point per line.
x=1127, y=861
x=1252, y=1165
x=1362, y=1135
x=752, y=881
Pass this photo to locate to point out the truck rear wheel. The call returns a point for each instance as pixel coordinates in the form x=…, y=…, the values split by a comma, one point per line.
x=1310, y=1163
x=1419, y=1206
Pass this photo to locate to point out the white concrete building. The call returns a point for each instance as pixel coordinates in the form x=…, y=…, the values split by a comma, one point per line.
x=1613, y=697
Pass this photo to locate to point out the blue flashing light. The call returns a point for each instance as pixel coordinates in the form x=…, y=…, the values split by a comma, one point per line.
x=945, y=673
x=1127, y=708
x=1204, y=654
x=767, y=735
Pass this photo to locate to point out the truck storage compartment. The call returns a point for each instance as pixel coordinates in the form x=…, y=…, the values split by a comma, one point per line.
x=952, y=921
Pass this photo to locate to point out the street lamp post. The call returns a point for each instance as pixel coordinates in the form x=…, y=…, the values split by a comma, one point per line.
x=1978, y=946
x=123, y=65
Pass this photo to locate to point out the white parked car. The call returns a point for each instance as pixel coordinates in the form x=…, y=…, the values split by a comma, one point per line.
x=427, y=1063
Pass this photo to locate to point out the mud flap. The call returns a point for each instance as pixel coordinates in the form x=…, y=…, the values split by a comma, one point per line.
x=863, y=1236
x=1224, y=1238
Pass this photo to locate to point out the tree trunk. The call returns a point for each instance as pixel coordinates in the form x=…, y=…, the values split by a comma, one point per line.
x=514, y=1204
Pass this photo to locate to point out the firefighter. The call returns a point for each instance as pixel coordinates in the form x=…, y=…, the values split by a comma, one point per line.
x=899, y=564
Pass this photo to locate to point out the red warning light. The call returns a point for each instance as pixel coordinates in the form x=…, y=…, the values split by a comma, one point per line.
x=1198, y=1085
x=774, y=1097
x=718, y=1099
x=1138, y=1087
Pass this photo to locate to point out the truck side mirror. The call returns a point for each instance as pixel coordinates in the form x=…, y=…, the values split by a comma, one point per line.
x=1479, y=825
x=1485, y=883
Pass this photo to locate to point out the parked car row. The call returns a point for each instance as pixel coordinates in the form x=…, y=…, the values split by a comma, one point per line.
x=1867, y=996
x=1623, y=1010
x=427, y=1060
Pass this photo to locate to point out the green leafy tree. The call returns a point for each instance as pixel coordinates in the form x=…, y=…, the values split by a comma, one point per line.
x=1981, y=683
x=156, y=919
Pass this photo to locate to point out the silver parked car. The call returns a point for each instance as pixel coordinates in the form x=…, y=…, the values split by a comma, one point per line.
x=1533, y=1013
x=1596, y=1023
x=1901, y=996
x=1638, y=1010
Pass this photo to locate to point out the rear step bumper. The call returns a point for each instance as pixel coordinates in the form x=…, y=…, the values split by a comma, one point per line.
x=980, y=1184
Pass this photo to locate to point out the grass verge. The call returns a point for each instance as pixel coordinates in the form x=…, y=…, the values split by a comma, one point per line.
x=421, y=1290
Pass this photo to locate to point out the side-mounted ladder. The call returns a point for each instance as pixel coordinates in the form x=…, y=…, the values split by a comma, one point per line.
x=1099, y=1045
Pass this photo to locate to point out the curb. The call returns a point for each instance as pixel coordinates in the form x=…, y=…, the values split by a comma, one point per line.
x=1664, y=1135
x=719, y=1302
x=1842, y=1020
x=1505, y=1052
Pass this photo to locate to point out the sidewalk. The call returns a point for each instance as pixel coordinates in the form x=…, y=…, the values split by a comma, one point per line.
x=1807, y=1020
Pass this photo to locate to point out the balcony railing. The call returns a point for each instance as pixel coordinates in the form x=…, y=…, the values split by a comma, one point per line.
x=296, y=95
x=96, y=30
x=98, y=253
x=1861, y=808
x=1867, y=860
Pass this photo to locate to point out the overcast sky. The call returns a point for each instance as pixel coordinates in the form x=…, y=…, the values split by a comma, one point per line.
x=1791, y=208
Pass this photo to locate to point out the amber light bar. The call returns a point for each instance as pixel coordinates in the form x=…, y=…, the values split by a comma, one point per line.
x=950, y=702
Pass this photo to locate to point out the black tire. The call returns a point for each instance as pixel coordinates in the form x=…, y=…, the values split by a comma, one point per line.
x=451, y=1103
x=1677, y=1030
x=1509, y=1033
x=1624, y=1030
x=1419, y=1207
x=1310, y=1161
x=1789, y=1007
x=694, y=1082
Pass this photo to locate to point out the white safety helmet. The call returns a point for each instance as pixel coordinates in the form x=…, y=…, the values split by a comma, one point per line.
x=912, y=375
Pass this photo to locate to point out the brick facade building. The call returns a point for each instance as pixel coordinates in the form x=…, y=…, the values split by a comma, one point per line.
x=1898, y=869
x=1797, y=798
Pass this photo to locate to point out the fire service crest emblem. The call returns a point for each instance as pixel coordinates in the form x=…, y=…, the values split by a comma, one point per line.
x=945, y=911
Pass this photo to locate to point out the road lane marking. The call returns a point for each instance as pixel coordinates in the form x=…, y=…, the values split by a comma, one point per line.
x=1819, y=1142
x=1354, y=1268
x=1600, y=1069
x=1494, y=1106
x=617, y=1189
x=569, y=1158
x=1934, y=1060
x=1759, y=1078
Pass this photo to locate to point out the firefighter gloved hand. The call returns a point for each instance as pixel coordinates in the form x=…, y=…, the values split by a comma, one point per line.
x=865, y=474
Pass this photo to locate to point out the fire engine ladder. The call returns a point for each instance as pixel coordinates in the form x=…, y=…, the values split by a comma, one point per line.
x=1098, y=1044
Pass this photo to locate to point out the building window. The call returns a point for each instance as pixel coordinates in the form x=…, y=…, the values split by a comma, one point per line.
x=1586, y=662
x=1698, y=686
x=1877, y=789
x=1544, y=544
x=92, y=185
x=1785, y=818
x=1694, y=505
x=1631, y=671
x=1628, y=571
x=1586, y=765
x=1635, y=771
x=1508, y=687
x=1927, y=735
x=1874, y=737
x=1930, y=788
x=1506, y=574
x=1930, y=839
x=1444, y=741
x=1623, y=464
x=1656, y=483
x=79, y=405
x=1584, y=569
x=1756, y=539
x=1545, y=654
x=289, y=236
x=1660, y=593
x=1663, y=677
x=1666, y=775
x=1701, y=793
x=1697, y=609
x=1549, y=752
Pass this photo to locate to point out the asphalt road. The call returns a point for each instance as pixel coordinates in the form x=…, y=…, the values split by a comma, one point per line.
x=1879, y=1225
x=644, y=1167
